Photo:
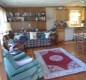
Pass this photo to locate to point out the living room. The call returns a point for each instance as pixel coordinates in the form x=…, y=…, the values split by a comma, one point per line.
x=54, y=25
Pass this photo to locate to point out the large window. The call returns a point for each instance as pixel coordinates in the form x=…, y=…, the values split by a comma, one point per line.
x=3, y=19
x=75, y=18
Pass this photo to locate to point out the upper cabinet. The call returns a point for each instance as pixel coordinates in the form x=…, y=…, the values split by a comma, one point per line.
x=25, y=16
x=61, y=14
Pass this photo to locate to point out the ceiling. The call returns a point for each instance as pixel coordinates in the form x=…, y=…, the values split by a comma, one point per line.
x=41, y=3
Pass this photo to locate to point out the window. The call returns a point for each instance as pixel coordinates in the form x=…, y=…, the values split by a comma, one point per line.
x=75, y=18
x=3, y=19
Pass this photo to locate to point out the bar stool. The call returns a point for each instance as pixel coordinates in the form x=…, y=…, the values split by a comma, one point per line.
x=80, y=41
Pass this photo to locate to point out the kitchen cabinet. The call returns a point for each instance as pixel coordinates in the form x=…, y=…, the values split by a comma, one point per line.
x=60, y=35
x=68, y=34
x=61, y=14
x=25, y=16
x=64, y=34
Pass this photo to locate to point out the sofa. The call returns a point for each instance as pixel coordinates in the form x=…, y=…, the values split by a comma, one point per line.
x=25, y=68
x=37, y=39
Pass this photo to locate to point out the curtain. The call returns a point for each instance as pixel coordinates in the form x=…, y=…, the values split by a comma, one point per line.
x=3, y=19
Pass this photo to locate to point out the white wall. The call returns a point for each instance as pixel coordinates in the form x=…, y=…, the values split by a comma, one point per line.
x=49, y=18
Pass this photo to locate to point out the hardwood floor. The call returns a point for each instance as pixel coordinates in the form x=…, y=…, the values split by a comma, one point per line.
x=69, y=46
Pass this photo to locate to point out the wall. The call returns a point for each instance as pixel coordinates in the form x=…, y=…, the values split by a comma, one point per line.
x=61, y=13
x=49, y=18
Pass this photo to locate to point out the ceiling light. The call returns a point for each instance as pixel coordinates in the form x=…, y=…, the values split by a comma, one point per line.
x=83, y=1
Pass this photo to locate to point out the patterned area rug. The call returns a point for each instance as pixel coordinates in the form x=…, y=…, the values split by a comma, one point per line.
x=58, y=62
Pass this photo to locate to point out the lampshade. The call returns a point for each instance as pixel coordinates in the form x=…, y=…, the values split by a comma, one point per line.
x=7, y=26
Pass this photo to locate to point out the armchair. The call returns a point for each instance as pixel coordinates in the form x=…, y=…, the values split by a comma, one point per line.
x=28, y=71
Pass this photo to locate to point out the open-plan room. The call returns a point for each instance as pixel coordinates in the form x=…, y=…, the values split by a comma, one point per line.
x=42, y=39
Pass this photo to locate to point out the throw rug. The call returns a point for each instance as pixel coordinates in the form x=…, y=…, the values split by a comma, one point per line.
x=58, y=62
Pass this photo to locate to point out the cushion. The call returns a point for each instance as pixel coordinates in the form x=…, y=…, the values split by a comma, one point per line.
x=23, y=38
x=19, y=56
x=17, y=46
x=42, y=36
x=16, y=52
x=47, y=34
x=33, y=35
x=18, y=36
x=23, y=61
x=11, y=42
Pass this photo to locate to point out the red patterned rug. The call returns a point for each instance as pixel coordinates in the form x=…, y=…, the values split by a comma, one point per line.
x=58, y=62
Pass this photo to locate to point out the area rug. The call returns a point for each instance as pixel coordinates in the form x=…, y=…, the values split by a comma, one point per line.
x=58, y=62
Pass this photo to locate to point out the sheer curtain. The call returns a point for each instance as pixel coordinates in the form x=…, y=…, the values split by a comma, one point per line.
x=3, y=19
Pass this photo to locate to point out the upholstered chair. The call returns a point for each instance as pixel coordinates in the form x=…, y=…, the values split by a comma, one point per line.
x=23, y=69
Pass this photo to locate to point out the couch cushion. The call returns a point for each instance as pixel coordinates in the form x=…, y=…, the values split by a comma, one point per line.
x=23, y=61
x=18, y=36
x=47, y=34
x=33, y=35
x=23, y=38
x=19, y=56
x=41, y=36
x=26, y=67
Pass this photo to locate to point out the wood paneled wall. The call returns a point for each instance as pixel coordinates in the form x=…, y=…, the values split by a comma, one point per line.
x=26, y=9
x=61, y=14
x=16, y=26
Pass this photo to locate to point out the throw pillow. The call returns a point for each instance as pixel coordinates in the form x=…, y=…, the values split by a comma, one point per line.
x=23, y=38
x=42, y=36
x=18, y=36
x=33, y=35
x=47, y=34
